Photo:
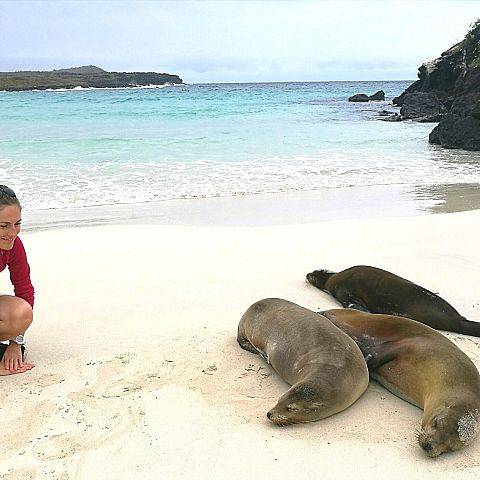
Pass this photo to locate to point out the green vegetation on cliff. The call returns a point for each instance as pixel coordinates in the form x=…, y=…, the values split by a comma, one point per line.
x=467, y=50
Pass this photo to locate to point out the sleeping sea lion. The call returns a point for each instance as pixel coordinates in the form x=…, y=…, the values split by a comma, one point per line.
x=422, y=366
x=323, y=365
x=375, y=290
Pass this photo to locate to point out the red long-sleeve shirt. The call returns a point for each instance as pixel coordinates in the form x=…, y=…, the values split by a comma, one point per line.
x=16, y=259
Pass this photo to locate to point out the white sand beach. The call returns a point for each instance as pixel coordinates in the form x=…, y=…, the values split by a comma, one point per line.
x=139, y=374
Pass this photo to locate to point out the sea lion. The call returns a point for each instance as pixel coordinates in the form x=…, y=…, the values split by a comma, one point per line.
x=423, y=367
x=375, y=290
x=323, y=365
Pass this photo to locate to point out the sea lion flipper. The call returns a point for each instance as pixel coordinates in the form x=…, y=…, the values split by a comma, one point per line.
x=349, y=301
x=468, y=327
x=246, y=345
x=378, y=357
x=358, y=306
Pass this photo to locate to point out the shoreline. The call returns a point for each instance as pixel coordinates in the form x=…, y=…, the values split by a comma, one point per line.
x=269, y=208
x=79, y=88
x=183, y=84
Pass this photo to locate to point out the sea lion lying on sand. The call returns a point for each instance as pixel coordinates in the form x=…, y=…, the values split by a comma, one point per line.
x=323, y=365
x=375, y=290
x=423, y=367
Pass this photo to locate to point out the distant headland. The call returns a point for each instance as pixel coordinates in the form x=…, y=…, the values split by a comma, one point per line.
x=86, y=77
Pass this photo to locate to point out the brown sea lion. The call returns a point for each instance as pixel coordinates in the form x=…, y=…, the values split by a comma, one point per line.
x=323, y=365
x=423, y=367
x=375, y=290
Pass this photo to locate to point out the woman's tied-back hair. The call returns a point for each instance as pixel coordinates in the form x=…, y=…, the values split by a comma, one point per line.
x=8, y=197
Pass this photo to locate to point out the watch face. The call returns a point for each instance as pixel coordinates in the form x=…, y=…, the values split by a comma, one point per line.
x=20, y=339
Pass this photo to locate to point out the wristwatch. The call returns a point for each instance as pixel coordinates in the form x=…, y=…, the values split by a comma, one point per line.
x=19, y=339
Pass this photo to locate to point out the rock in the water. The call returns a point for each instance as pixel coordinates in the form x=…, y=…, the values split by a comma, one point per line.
x=422, y=105
x=359, y=97
x=395, y=117
x=448, y=90
x=457, y=132
x=435, y=118
x=433, y=137
x=380, y=95
x=476, y=110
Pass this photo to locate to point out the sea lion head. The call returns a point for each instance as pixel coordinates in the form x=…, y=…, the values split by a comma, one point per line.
x=318, y=278
x=300, y=404
x=449, y=428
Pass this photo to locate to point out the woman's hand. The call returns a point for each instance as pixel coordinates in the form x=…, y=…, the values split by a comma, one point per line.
x=13, y=361
x=12, y=358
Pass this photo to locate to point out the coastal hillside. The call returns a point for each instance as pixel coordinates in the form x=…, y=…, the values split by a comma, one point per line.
x=448, y=91
x=85, y=76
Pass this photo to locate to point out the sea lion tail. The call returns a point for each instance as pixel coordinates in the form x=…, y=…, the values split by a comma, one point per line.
x=319, y=277
x=469, y=327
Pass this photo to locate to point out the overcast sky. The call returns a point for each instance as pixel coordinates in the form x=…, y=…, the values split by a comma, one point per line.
x=234, y=41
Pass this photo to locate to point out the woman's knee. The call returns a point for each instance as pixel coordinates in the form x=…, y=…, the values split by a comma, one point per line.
x=23, y=315
x=17, y=315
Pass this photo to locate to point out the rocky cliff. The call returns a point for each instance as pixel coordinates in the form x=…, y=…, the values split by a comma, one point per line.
x=86, y=77
x=448, y=91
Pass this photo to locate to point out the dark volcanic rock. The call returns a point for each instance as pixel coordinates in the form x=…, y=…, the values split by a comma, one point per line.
x=86, y=77
x=359, y=97
x=457, y=132
x=422, y=105
x=395, y=117
x=448, y=90
x=363, y=97
x=433, y=137
x=435, y=118
x=476, y=110
x=380, y=95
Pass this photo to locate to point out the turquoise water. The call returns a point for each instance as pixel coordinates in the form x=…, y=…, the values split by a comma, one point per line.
x=64, y=149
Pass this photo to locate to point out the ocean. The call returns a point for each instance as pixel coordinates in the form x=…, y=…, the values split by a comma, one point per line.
x=66, y=150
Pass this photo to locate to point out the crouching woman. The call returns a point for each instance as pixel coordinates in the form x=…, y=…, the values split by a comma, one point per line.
x=15, y=311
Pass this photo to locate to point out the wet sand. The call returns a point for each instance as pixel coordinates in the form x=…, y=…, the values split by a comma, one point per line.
x=270, y=209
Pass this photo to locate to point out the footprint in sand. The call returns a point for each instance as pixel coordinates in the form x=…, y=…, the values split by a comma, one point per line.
x=92, y=434
x=123, y=387
x=119, y=388
x=33, y=419
x=101, y=412
x=38, y=384
x=19, y=474
x=49, y=379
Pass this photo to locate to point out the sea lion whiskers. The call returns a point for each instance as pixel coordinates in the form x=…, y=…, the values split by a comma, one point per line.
x=419, y=432
x=427, y=446
x=298, y=405
x=279, y=419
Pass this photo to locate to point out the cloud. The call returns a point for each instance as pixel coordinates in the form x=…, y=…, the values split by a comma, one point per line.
x=209, y=41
